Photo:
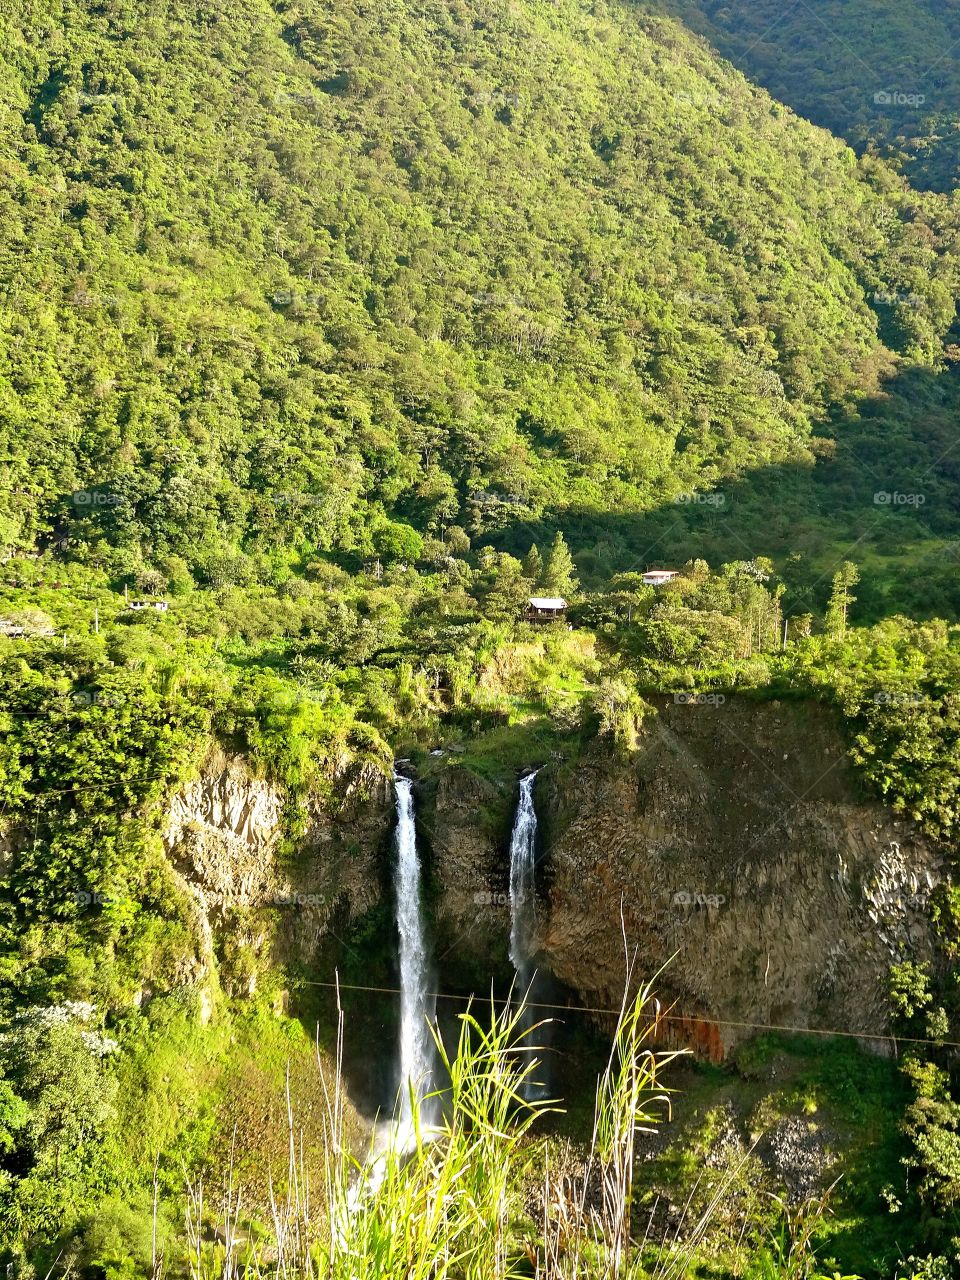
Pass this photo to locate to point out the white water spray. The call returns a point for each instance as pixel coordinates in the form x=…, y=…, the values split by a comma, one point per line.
x=416, y=1008
x=523, y=885
x=523, y=905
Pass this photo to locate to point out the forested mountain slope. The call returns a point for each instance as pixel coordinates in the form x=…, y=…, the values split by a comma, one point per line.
x=274, y=272
x=881, y=73
x=315, y=318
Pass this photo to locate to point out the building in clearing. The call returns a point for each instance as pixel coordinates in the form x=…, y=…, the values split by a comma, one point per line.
x=546, y=608
x=658, y=577
x=28, y=627
x=159, y=605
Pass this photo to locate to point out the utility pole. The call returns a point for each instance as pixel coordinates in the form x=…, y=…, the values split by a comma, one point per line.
x=96, y=619
x=786, y=629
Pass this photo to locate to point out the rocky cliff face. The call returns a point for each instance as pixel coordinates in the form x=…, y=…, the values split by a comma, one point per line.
x=260, y=902
x=737, y=845
x=734, y=838
x=465, y=824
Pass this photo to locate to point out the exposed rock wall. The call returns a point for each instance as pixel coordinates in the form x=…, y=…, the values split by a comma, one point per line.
x=224, y=835
x=222, y=831
x=738, y=846
x=734, y=838
x=465, y=824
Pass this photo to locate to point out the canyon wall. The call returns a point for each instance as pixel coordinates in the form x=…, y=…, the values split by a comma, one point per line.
x=744, y=860
x=733, y=841
x=260, y=895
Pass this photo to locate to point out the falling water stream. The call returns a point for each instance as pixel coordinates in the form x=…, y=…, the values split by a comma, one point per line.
x=523, y=909
x=523, y=918
x=416, y=1007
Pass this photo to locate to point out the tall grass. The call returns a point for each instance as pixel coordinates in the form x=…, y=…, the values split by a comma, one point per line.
x=448, y=1202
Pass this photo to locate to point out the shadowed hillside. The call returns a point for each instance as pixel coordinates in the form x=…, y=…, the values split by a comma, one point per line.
x=274, y=277
x=884, y=74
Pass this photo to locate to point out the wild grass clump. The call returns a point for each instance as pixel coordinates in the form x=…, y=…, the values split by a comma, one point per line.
x=452, y=1201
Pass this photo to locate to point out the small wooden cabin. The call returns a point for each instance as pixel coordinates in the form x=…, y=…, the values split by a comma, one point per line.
x=159, y=605
x=546, y=608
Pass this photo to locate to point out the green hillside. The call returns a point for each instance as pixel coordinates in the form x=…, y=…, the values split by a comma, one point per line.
x=336, y=330
x=884, y=74
x=277, y=273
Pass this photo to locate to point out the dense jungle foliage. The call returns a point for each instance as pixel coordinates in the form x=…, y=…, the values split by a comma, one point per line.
x=882, y=74
x=343, y=329
x=278, y=278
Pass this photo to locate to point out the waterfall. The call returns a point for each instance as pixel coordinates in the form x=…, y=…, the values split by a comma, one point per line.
x=416, y=1009
x=523, y=907
x=523, y=886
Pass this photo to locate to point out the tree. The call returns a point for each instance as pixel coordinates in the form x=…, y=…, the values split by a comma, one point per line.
x=909, y=987
x=54, y=1065
x=533, y=566
x=457, y=540
x=502, y=588
x=620, y=709
x=34, y=621
x=841, y=598
x=560, y=575
x=932, y=1123
x=14, y=1114
x=396, y=541
x=150, y=582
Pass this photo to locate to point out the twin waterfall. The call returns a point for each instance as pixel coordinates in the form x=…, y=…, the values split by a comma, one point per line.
x=417, y=1009
x=417, y=1006
x=523, y=885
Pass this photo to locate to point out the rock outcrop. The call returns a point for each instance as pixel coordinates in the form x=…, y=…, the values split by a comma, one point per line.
x=743, y=859
x=733, y=841
x=225, y=837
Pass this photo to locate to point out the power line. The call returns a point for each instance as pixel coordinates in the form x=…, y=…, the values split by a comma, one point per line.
x=658, y=1017
x=569, y=1008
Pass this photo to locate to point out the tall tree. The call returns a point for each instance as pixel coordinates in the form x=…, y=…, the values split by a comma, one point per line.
x=560, y=574
x=533, y=566
x=842, y=597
